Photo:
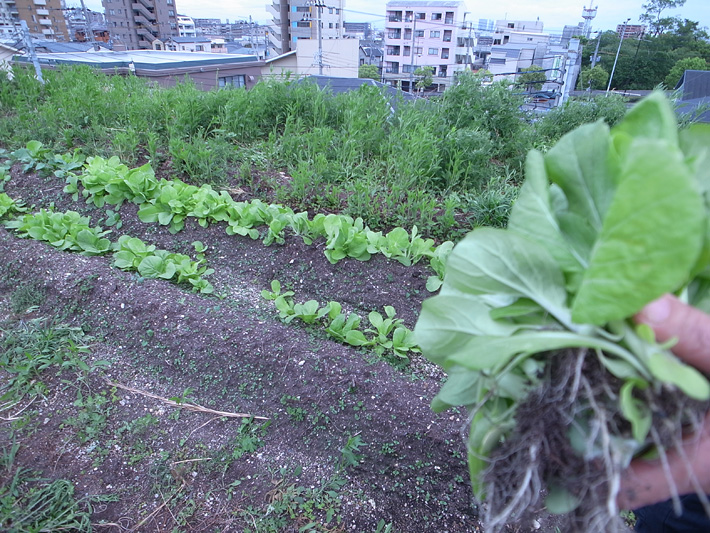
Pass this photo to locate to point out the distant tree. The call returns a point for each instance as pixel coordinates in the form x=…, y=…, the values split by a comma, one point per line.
x=689, y=63
x=652, y=16
x=531, y=78
x=593, y=78
x=369, y=71
x=426, y=77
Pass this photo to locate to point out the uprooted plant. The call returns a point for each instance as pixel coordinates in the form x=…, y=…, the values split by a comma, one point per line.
x=533, y=323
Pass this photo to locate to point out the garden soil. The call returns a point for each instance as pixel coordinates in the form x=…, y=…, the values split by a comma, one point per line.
x=348, y=443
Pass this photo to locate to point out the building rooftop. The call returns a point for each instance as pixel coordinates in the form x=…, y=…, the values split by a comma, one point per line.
x=419, y=4
x=142, y=59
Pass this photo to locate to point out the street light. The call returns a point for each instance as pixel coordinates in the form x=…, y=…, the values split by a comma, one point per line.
x=320, y=4
x=611, y=76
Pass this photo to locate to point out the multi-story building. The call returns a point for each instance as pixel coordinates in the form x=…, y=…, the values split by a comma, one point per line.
x=136, y=24
x=629, y=31
x=426, y=34
x=293, y=20
x=43, y=17
x=186, y=26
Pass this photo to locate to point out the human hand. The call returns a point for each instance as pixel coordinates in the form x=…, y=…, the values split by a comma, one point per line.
x=645, y=482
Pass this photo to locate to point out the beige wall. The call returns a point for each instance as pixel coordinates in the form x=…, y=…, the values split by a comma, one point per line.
x=340, y=59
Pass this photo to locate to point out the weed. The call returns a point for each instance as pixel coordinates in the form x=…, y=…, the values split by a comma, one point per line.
x=27, y=296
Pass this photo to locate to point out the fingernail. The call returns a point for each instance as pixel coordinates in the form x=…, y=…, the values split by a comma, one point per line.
x=657, y=311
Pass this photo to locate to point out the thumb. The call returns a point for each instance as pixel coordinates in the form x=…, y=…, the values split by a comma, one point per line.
x=670, y=318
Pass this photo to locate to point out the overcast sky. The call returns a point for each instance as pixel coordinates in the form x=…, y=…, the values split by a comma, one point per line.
x=554, y=13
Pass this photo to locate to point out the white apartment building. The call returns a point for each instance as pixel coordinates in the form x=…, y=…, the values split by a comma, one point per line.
x=186, y=26
x=294, y=20
x=426, y=33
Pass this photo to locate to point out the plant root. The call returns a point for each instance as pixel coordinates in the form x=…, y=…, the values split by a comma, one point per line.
x=571, y=435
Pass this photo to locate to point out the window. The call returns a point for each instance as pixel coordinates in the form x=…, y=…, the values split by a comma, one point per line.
x=447, y=36
x=330, y=25
x=511, y=24
x=444, y=53
x=407, y=51
x=418, y=50
x=442, y=71
x=449, y=17
x=303, y=9
x=436, y=16
x=420, y=16
x=419, y=33
x=303, y=24
x=230, y=82
x=173, y=26
x=434, y=34
x=408, y=16
x=200, y=48
x=408, y=68
x=120, y=12
x=171, y=13
x=111, y=11
x=408, y=33
x=433, y=51
x=170, y=2
x=330, y=10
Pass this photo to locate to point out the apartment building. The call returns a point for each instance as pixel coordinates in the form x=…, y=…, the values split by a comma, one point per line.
x=429, y=33
x=43, y=17
x=294, y=20
x=186, y=26
x=136, y=24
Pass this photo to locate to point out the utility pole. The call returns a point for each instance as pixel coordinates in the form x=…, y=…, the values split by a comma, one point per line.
x=320, y=4
x=611, y=76
x=87, y=27
x=411, y=66
x=31, y=47
x=595, y=59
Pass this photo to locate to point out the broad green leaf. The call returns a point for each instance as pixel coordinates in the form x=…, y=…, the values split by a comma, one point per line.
x=652, y=118
x=154, y=266
x=494, y=261
x=532, y=215
x=580, y=164
x=651, y=238
x=443, y=329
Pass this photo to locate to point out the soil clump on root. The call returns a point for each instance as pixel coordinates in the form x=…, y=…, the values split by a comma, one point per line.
x=566, y=440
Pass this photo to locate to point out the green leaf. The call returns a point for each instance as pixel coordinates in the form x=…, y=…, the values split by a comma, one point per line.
x=668, y=369
x=560, y=501
x=650, y=240
x=502, y=263
x=634, y=410
x=154, y=266
x=580, y=164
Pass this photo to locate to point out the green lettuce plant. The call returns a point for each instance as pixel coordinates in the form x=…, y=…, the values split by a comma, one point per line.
x=606, y=221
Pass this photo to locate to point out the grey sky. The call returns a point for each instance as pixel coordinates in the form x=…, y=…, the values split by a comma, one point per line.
x=554, y=13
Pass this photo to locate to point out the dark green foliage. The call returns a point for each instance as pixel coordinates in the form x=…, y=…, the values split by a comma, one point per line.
x=394, y=163
x=576, y=112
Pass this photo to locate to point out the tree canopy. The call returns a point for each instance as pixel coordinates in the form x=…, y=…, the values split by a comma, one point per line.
x=369, y=71
x=646, y=61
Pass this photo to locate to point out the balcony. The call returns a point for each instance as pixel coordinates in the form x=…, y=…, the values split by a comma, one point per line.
x=43, y=12
x=392, y=70
x=40, y=2
x=394, y=19
x=139, y=19
x=142, y=10
x=45, y=22
x=396, y=34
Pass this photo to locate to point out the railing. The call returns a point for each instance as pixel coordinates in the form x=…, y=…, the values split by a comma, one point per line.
x=392, y=70
x=394, y=19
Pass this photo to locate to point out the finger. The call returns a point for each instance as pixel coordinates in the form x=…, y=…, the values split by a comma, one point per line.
x=670, y=318
x=645, y=482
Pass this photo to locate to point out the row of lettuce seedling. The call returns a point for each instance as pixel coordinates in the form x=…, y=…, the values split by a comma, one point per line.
x=71, y=231
x=387, y=334
x=170, y=202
